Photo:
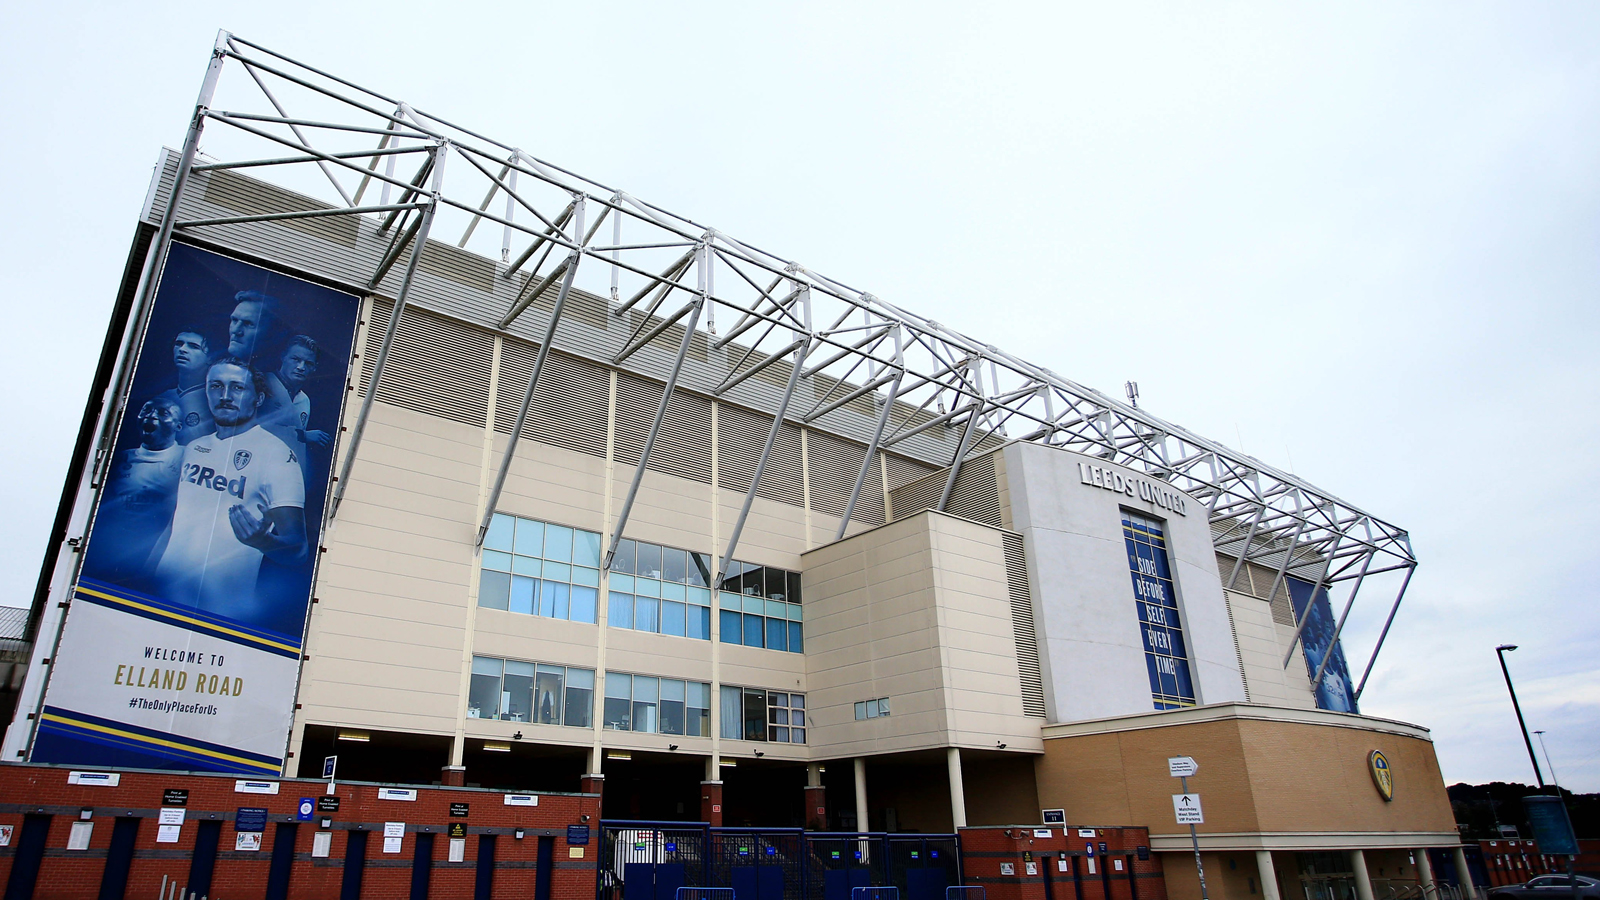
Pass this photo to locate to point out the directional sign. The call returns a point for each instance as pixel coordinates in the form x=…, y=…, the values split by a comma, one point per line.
x=1181, y=766
x=1187, y=806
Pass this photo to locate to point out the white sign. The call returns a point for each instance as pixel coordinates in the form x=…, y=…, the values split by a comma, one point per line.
x=391, y=845
x=5, y=835
x=1043, y=832
x=1085, y=832
x=396, y=794
x=105, y=779
x=1181, y=766
x=247, y=840
x=1116, y=864
x=255, y=787
x=1008, y=868
x=1091, y=866
x=394, y=829
x=321, y=844
x=168, y=834
x=522, y=799
x=78, y=837
x=170, y=816
x=458, y=849
x=1061, y=864
x=1116, y=482
x=1187, y=806
x=1031, y=868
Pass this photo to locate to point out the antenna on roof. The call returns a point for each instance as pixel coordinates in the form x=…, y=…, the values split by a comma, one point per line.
x=1132, y=390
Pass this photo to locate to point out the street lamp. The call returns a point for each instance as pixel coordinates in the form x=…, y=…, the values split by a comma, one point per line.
x=1500, y=652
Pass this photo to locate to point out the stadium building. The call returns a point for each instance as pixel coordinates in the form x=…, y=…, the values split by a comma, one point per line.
x=411, y=449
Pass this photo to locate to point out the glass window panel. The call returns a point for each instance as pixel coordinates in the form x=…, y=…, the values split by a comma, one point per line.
x=530, y=537
x=797, y=640
x=516, y=691
x=583, y=601
x=493, y=559
x=619, y=706
x=700, y=570
x=754, y=631
x=775, y=608
x=494, y=589
x=872, y=709
x=648, y=560
x=732, y=632
x=777, y=716
x=777, y=584
x=590, y=577
x=699, y=694
x=861, y=710
x=623, y=561
x=755, y=715
x=558, y=543
x=621, y=582
x=670, y=591
x=797, y=735
x=523, y=591
x=698, y=623
x=731, y=714
x=645, y=611
x=754, y=605
x=644, y=704
x=752, y=582
x=779, y=734
x=586, y=548
x=487, y=665
x=673, y=619
x=672, y=706
x=527, y=565
x=674, y=564
x=794, y=587
x=798, y=701
x=483, y=694
x=883, y=706
x=700, y=596
x=547, y=694
x=777, y=634
x=699, y=722
x=646, y=587
x=619, y=612
x=557, y=571
x=729, y=601
x=793, y=609
x=775, y=698
x=501, y=527
x=730, y=578
x=580, y=698
x=553, y=599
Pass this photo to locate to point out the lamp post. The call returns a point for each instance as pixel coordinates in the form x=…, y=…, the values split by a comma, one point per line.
x=1500, y=652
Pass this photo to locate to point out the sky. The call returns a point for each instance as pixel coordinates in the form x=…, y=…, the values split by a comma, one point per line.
x=1356, y=241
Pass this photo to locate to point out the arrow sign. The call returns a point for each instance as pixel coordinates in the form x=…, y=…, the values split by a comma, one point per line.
x=1181, y=766
x=1187, y=807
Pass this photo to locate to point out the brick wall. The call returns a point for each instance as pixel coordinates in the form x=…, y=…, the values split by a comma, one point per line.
x=1060, y=859
x=74, y=874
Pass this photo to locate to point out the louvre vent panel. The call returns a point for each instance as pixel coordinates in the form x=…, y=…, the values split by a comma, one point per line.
x=436, y=366
x=569, y=406
x=975, y=496
x=252, y=198
x=683, y=447
x=903, y=469
x=741, y=434
x=833, y=465
x=1029, y=675
x=457, y=265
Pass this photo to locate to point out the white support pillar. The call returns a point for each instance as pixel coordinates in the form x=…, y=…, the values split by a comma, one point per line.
x=1358, y=865
x=1425, y=873
x=1268, y=875
x=958, y=791
x=1463, y=874
x=861, y=794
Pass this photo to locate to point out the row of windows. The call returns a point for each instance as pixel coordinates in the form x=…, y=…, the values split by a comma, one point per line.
x=657, y=705
x=872, y=709
x=530, y=692
x=753, y=714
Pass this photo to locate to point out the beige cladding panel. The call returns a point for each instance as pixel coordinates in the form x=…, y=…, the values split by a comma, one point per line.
x=1262, y=656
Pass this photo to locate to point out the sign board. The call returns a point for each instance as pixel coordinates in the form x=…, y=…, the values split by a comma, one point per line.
x=103, y=779
x=1181, y=766
x=1088, y=850
x=521, y=799
x=1382, y=775
x=1551, y=826
x=1187, y=808
x=329, y=765
x=171, y=816
x=78, y=837
x=250, y=818
x=302, y=813
x=578, y=836
x=1142, y=851
x=394, y=829
x=1008, y=868
x=1102, y=848
x=183, y=649
x=248, y=841
x=459, y=810
x=1085, y=832
x=397, y=794
x=175, y=797
x=1053, y=816
x=5, y=835
x=327, y=804
x=458, y=830
x=458, y=849
x=255, y=787
x=321, y=844
x=1043, y=833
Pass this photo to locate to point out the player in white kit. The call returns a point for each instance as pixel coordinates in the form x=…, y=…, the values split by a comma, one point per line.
x=241, y=496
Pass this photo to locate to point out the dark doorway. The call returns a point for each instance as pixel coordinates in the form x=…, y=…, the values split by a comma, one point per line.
x=355, y=865
x=205, y=857
x=282, y=861
x=483, y=885
x=114, y=877
x=422, y=866
x=547, y=859
x=30, y=853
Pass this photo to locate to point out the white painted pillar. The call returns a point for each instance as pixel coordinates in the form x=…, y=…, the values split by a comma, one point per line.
x=861, y=794
x=1267, y=874
x=1425, y=873
x=1463, y=874
x=1358, y=865
x=958, y=791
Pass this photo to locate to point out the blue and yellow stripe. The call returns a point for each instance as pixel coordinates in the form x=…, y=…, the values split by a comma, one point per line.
x=122, y=736
x=186, y=617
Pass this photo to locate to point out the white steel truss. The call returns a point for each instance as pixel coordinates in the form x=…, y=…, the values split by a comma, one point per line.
x=547, y=226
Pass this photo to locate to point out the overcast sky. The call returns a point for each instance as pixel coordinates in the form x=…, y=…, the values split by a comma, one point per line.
x=1358, y=242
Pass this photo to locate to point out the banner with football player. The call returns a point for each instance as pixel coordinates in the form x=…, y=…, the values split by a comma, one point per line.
x=182, y=646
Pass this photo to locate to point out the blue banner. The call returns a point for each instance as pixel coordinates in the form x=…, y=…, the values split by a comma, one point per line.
x=1336, y=692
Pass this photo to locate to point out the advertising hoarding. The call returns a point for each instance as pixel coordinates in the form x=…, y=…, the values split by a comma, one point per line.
x=182, y=646
x=1336, y=692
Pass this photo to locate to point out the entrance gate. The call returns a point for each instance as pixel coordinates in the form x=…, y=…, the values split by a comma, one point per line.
x=642, y=860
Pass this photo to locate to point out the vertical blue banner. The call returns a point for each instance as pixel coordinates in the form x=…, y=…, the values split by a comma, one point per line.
x=1336, y=692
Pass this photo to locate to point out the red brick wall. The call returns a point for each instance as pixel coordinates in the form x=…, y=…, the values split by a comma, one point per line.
x=71, y=875
x=984, y=850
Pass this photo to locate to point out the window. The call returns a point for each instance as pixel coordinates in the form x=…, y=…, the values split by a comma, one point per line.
x=517, y=691
x=1157, y=602
x=757, y=714
x=657, y=705
x=660, y=589
x=759, y=606
x=872, y=709
x=539, y=569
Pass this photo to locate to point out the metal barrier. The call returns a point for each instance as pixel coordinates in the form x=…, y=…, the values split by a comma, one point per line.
x=875, y=893
x=965, y=892
x=705, y=893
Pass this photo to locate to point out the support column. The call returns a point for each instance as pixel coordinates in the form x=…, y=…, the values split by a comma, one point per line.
x=862, y=824
x=1358, y=865
x=1463, y=874
x=958, y=791
x=1268, y=875
x=453, y=776
x=1425, y=873
x=816, y=799
x=711, y=803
